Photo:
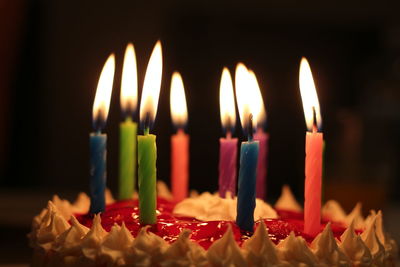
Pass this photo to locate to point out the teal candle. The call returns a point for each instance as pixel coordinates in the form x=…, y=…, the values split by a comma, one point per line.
x=98, y=143
x=246, y=200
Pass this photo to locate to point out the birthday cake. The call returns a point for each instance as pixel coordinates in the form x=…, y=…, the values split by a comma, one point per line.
x=201, y=231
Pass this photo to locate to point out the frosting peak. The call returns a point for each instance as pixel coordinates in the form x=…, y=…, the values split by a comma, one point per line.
x=326, y=249
x=354, y=247
x=295, y=251
x=208, y=207
x=93, y=239
x=260, y=249
x=287, y=201
x=225, y=251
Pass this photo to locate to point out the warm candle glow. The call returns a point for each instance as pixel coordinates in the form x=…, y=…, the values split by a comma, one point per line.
x=259, y=115
x=309, y=95
x=227, y=101
x=103, y=93
x=151, y=86
x=178, y=101
x=248, y=97
x=129, y=81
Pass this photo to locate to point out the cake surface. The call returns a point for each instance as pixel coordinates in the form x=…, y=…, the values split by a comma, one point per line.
x=65, y=234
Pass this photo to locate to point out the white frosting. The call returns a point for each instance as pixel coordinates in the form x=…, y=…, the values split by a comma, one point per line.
x=116, y=245
x=353, y=246
x=51, y=226
x=58, y=243
x=93, y=239
x=81, y=204
x=226, y=252
x=391, y=248
x=163, y=191
x=69, y=242
x=334, y=211
x=63, y=206
x=287, y=201
x=260, y=249
x=294, y=250
x=184, y=252
x=372, y=242
x=109, y=197
x=208, y=207
x=355, y=217
x=147, y=249
x=326, y=250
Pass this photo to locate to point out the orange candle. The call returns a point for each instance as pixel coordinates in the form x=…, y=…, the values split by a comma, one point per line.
x=179, y=141
x=314, y=145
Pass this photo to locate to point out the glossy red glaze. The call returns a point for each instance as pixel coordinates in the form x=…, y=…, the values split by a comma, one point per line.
x=204, y=233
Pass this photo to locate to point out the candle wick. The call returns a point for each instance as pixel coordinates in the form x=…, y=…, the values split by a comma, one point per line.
x=128, y=111
x=315, y=128
x=99, y=121
x=147, y=124
x=228, y=134
x=250, y=128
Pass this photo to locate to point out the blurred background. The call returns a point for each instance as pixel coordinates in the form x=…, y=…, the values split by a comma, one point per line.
x=52, y=52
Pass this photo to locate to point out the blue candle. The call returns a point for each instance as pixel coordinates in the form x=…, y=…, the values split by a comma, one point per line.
x=246, y=201
x=250, y=111
x=98, y=143
x=98, y=140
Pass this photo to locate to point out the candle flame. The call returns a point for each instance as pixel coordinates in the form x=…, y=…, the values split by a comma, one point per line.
x=103, y=94
x=248, y=97
x=259, y=115
x=151, y=87
x=178, y=101
x=309, y=96
x=129, y=81
x=227, y=101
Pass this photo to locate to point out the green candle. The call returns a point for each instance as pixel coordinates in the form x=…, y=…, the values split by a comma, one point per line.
x=147, y=151
x=128, y=128
x=147, y=156
x=127, y=158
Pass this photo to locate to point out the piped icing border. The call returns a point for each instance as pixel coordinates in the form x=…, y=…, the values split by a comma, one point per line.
x=59, y=243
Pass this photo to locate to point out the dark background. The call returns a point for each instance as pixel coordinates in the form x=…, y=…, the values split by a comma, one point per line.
x=52, y=52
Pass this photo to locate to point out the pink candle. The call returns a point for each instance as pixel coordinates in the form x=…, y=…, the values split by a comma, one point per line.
x=227, y=165
x=180, y=165
x=312, y=189
x=314, y=145
x=260, y=116
x=261, y=182
x=179, y=141
x=228, y=145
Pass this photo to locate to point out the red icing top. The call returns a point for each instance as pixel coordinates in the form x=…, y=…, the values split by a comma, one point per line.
x=169, y=225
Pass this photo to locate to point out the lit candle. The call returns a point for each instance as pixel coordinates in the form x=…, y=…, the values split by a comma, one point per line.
x=261, y=136
x=98, y=140
x=247, y=101
x=180, y=140
x=147, y=149
x=314, y=145
x=228, y=145
x=128, y=128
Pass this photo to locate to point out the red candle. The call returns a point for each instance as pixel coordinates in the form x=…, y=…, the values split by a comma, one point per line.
x=179, y=141
x=228, y=145
x=314, y=144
